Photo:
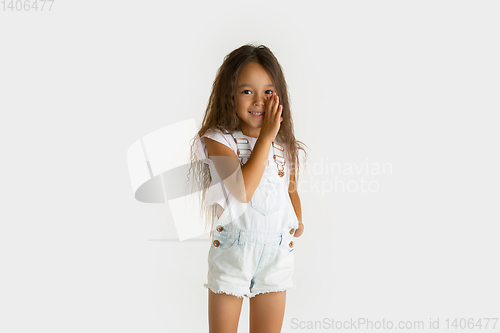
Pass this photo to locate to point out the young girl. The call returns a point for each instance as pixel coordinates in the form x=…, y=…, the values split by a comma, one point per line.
x=249, y=162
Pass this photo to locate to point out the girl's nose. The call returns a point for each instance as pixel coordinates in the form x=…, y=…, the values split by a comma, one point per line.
x=260, y=100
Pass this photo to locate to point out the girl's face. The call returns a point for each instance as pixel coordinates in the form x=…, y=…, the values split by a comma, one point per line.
x=252, y=88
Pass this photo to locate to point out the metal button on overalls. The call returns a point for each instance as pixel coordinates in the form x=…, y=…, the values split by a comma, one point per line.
x=216, y=243
x=220, y=228
x=292, y=231
x=291, y=243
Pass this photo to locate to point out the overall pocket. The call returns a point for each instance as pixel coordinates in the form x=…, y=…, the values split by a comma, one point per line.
x=266, y=199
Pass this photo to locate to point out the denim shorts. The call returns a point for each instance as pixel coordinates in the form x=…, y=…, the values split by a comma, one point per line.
x=250, y=262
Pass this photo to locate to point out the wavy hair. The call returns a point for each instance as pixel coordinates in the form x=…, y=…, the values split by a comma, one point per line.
x=221, y=114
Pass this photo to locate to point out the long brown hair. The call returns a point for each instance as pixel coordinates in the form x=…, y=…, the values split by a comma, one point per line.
x=221, y=112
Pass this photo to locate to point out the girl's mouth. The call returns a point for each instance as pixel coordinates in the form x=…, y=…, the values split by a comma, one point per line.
x=257, y=114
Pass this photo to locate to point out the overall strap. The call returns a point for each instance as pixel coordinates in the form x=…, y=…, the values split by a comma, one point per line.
x=279, y=157
x=243, y=146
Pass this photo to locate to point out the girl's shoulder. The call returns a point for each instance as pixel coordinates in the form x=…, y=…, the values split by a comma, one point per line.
x=216, y=134
x=222, y=136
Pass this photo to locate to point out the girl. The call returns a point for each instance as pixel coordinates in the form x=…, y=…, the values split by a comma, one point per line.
x=247, y=173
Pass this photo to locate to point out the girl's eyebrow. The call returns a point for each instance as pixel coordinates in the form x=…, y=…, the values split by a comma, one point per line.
x=249, y=85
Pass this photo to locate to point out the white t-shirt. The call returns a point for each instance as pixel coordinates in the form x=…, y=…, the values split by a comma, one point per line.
x=215, y=194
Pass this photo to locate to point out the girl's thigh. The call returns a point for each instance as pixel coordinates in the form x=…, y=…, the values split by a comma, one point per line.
x=267, y=311
x=223, y=312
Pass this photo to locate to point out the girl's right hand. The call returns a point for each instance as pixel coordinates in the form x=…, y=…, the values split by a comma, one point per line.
x=272, y=118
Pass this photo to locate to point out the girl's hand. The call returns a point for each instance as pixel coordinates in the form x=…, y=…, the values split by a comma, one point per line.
x=299, y=230
x=272, y=118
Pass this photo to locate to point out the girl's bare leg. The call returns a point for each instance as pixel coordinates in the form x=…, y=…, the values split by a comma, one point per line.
x=267, y=312
x=223, y=312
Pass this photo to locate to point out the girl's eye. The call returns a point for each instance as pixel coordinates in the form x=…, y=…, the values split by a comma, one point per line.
x=268, y=91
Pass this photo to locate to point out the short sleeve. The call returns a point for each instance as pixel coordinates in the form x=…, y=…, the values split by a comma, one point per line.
x=216, y=135
x=215, y=193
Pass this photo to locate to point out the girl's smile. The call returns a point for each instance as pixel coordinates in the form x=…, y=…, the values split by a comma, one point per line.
x=257, y=115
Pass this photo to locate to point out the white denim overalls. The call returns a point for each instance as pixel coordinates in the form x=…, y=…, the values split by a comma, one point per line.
x=252, y=246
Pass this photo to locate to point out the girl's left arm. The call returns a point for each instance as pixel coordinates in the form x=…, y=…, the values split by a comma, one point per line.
x=294, y=197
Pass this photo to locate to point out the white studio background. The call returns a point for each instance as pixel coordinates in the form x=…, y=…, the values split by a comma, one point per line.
x=412, y=85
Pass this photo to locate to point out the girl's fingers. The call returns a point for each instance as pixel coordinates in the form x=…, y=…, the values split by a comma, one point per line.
x=272, y=105
x=266, y=109
x=271, y=102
